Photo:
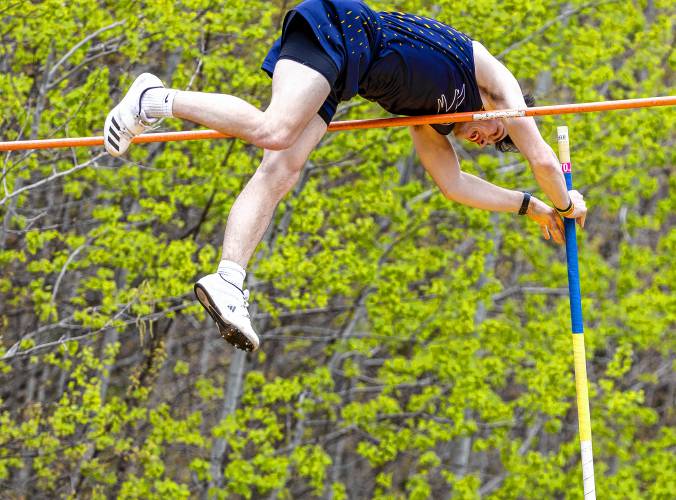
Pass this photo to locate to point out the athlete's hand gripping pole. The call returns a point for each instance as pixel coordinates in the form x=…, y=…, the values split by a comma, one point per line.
x=584, y=420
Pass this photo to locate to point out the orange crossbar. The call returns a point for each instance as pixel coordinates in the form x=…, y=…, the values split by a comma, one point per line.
x=363, y=124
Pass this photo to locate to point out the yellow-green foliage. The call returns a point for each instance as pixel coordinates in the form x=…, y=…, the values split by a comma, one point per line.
x=412, y=348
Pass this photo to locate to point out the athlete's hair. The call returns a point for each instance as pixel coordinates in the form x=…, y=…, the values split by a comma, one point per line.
x=506, y=145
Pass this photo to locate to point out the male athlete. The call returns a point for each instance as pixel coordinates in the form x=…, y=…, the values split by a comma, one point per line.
x=330, y=51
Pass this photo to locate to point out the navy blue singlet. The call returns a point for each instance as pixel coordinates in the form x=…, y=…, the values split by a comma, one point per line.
x=410, y=65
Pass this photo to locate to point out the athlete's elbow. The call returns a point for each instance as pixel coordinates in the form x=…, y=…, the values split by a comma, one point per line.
x=450, y=191
x=542, y=159
x=452, y=187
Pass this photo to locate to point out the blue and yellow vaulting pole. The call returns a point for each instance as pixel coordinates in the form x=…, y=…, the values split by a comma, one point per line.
x=584, y=419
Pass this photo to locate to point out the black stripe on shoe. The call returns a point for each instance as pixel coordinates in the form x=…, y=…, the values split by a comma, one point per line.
x=113, y=143
x=115, y=123
x=114, y=134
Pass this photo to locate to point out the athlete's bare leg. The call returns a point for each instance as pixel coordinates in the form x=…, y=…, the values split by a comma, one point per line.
x=222, y=293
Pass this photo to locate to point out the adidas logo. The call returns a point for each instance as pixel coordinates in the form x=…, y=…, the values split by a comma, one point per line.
x=232, y=308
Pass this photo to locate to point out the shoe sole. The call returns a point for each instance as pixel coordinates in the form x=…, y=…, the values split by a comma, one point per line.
x=228, y=331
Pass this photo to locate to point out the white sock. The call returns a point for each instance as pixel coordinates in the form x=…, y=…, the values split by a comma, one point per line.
x=232, y=272
x=158, y=103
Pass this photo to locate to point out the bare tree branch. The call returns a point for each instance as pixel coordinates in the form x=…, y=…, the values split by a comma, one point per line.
x=75, y=47
x=9, y=196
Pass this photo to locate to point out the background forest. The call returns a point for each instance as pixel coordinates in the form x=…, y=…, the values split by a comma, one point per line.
x=412, y=347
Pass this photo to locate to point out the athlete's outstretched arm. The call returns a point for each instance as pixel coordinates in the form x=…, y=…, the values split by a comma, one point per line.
x=500, y=88
x=439, y=159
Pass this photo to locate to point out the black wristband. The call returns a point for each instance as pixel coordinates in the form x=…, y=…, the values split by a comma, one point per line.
x=524, y=203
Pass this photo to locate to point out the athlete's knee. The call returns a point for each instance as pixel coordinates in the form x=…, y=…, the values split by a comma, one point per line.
x=276, y=133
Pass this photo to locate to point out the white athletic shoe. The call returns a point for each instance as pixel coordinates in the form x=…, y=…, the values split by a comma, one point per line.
x=127, y=119
x=227, y=305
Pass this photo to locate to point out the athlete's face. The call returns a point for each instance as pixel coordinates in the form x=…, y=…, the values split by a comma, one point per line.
x=481, y=133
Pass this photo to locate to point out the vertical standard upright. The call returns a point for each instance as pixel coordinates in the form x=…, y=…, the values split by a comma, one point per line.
x=584, y=420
